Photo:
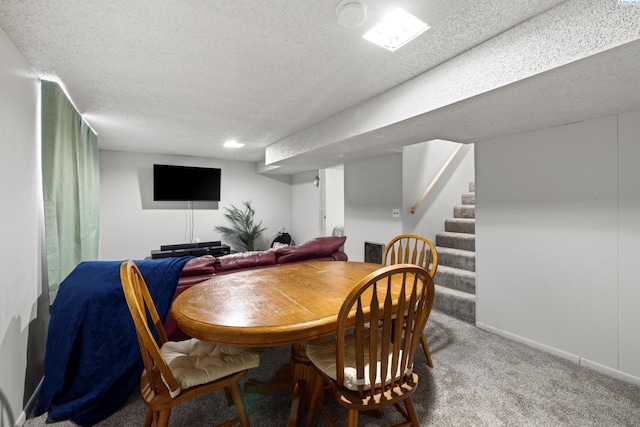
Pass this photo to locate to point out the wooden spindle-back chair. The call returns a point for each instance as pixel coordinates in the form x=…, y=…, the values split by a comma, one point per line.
x=418, y=250
x=163, y=387
x=369, y=364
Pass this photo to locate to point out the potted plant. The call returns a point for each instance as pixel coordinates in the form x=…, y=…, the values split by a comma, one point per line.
x=243, y=233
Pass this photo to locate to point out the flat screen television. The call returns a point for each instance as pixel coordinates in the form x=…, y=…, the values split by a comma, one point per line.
x=185, y=183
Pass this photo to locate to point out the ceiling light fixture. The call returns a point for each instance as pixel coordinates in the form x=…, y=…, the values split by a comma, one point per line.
x=233, y=144
x=351, y=13
x=396, y=29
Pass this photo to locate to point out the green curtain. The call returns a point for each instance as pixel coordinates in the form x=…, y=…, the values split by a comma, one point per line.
x=71, y=186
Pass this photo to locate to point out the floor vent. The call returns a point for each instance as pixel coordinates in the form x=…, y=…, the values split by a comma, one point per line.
x=373, y=252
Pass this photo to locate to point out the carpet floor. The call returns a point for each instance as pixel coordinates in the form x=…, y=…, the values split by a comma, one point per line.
x=479, y=379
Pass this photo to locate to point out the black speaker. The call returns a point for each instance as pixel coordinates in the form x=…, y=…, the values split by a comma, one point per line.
x=189, y=245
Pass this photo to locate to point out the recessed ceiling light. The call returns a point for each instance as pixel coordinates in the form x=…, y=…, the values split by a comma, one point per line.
x=396, y=29
x=233, y=144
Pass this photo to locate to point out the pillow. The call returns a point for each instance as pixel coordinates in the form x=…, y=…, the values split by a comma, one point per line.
x=316, y=248
x=242, y=260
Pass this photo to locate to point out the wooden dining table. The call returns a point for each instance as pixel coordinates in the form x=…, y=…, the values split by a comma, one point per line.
x=272, y=306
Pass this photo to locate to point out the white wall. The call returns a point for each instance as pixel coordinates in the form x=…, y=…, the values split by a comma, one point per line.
x=306, y=209
x=421, y=163
x=372, y=189
x=21, y=229
x=628, y=243
x=131, y=224
x=557, y=240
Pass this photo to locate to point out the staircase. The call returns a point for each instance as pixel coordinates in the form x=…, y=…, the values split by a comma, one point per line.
x=455, y=278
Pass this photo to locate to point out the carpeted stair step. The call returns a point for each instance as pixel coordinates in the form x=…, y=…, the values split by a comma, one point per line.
x=460, y=225
x=456, y=258
x=464, y=211
x=456, y=279
x=460, y=305
x=464, y=241
x=469, y=199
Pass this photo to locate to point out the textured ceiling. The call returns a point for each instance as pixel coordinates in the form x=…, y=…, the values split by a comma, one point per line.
x=182, y=77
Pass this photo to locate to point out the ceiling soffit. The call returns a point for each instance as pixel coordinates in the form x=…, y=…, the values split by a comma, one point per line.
x=464, y=99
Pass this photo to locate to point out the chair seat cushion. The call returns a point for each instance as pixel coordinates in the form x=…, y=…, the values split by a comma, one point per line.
x=323, y=355
x=194, y=362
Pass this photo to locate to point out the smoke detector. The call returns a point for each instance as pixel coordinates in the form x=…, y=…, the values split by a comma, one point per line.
x=351, y=13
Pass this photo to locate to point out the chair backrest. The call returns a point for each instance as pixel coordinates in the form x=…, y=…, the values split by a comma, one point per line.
x=142, y=310
x=383, y=340
x=411, y=249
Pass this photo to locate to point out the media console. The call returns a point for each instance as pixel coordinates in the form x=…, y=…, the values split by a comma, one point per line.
x=194, y=249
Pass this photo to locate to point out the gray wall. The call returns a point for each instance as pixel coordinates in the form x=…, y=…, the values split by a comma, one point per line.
x=558, y=239
x=372, y=189
x=132, y=224
x=22, y=302
x=421, y=163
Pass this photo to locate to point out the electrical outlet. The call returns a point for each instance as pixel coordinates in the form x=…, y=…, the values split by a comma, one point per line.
x=395, y=213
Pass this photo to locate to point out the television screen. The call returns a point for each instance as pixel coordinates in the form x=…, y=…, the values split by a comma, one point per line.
x=185, y=183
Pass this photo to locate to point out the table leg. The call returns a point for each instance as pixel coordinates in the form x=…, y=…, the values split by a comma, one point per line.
x=295, y=377
x=297, y=404
x=300, y=363
x=287, y=376
x=281, y=380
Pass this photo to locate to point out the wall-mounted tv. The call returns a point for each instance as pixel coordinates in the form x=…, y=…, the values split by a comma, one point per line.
x=185, y=183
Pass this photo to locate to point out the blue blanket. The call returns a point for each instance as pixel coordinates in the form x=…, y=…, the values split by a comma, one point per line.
x=92, y=361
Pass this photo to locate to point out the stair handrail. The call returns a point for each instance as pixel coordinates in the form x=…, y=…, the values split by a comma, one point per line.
x=435, y=179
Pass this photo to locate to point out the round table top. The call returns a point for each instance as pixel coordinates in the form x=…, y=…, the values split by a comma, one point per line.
x=269, y=306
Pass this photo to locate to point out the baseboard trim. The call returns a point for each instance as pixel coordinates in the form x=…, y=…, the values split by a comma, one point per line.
x=22, y=418
x=547, y=349
x=563, y=354
x=28, y=408
x=610, y=371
